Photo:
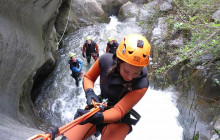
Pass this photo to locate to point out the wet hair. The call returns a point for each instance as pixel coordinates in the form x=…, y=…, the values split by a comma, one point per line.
x=115, y=67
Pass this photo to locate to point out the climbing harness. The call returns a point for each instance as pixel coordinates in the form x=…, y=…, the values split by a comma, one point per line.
x=97, y=107
x=135, y=115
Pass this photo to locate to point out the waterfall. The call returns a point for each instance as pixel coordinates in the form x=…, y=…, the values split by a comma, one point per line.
x=59, y=98
x=158, y=117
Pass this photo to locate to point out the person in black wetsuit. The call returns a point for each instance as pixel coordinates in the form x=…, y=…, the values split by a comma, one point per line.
x=91, y=49
x=76, y=67
x=112, y=45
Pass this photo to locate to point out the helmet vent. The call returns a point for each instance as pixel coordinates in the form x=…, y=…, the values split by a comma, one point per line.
x=124, y=50
x=140, y=43
x=124, y=43
x=130, y=52
x=144, y=55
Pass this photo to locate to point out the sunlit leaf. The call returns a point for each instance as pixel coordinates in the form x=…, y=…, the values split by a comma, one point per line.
x=193, y=18
x=215, y=25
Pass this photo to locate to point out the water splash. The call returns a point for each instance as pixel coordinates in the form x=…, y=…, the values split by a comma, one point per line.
x=158, y=117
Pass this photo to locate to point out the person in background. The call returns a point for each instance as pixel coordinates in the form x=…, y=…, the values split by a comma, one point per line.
x=76, y=67
x=112, y=45
x=123, y=81
x=91, y=49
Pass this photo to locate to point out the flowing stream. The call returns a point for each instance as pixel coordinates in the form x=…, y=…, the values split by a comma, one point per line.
x=59, y=97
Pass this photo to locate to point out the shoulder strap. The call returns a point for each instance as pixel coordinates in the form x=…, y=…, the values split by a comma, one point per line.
x=135, y=115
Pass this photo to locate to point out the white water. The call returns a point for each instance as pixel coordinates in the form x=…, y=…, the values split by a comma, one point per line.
x=158, y=117
x=60, y=98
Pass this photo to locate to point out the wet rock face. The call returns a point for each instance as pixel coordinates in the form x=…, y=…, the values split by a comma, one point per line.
x=211, y=88
x=111, y=7
x=27, y=39
x=197, y=84
x=79, y=13
x=142, y=11
x=199, y=101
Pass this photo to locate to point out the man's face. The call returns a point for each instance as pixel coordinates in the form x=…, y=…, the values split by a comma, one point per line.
x=111, y=42
x=89, y=41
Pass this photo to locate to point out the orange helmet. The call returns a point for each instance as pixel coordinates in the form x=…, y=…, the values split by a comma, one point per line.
x=134, y=49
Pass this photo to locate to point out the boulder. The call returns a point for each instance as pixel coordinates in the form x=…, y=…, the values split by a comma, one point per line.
x=217, y=124
x=143, y=12
x=148, y=11
x=77, y=14
x=166, y=6
x=111, y=7
x=216, y=15
x=128, y=10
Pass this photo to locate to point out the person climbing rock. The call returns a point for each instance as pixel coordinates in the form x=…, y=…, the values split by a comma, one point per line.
x=123, y=81
x=91, y=49
x=76, y=67
x=112, y=45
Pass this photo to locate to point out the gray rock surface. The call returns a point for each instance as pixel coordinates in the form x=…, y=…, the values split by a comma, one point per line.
x=128, y=10
x=144, y=12
x=217, y=125
x=79, y=13
x=11, y=129
x=159, y=34
x=27, y=45
x=216, y=15
x=111, y=7
x=166, y=6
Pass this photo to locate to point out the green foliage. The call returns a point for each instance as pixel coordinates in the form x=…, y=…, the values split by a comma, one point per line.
x=214, y=42
x=141, y=22
x=194, y=18
x=196, y=136
x=198, y=9
x=214, y=25
x=178, y=26
x=212, y=109
x=217, y=131
x=217, y=82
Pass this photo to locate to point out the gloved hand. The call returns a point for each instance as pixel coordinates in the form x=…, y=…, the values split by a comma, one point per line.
x=90, y=94
x=53, y=131
x=97, y=55
x=95, y=119
x=83, y=55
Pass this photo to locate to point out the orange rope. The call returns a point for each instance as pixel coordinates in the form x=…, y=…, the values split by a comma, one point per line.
x=71, y=124
x=78, y=121
x=44, y=136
